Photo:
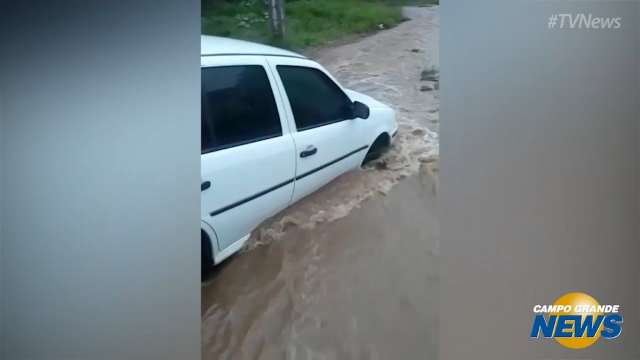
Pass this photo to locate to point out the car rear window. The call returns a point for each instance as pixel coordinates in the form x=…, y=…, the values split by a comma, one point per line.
x=238, y=107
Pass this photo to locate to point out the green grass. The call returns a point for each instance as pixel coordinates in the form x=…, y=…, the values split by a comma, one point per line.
x=309, y=22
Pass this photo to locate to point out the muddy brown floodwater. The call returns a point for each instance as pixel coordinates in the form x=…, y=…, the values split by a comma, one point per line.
x=350, y=272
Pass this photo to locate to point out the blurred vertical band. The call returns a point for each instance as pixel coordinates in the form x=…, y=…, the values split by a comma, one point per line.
x=539, y=173
x=100, y=166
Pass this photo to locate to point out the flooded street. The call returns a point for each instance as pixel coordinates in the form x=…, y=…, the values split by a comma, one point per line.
x=362, y=287
x=349, y=272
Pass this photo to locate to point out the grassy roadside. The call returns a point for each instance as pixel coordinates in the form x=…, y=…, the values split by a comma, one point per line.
x=309, y=22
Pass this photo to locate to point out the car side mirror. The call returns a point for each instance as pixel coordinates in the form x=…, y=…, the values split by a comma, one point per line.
x=359, y=110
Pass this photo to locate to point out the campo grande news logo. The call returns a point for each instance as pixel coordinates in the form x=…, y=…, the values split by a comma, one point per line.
x=576, y=320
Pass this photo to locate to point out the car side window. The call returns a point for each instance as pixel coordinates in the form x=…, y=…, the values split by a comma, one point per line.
x=238, y=107
x=315, y=99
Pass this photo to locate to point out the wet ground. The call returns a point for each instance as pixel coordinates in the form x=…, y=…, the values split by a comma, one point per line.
x=349, y=272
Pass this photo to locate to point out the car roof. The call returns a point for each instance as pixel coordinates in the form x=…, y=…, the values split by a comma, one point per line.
x=216, y=46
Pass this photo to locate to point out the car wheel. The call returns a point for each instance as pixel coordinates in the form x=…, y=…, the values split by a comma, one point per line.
x=378, y=147
x=206, y=254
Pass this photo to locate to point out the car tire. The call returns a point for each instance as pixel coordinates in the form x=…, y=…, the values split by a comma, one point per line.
x=205, y=254
x=378, y=147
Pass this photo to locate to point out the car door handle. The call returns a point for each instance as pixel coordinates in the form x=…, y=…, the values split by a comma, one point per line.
x=205, y=185
x=310, y=150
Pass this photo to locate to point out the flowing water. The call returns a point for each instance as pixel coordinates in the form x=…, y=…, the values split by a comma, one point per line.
x=349, y=272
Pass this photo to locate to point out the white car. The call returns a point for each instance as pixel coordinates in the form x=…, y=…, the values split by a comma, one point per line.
x=276, y=126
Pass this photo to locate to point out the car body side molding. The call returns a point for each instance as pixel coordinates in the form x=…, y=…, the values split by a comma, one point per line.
x=286, y=182
x=332, y=162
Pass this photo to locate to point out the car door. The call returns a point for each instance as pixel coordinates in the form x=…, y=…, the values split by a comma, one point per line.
x=247, y=161
x=327, y=142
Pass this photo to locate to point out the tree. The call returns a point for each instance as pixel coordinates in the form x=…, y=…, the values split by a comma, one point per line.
x=277, y=18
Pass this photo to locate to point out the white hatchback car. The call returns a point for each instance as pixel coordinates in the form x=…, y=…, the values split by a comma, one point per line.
x=276, y=126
